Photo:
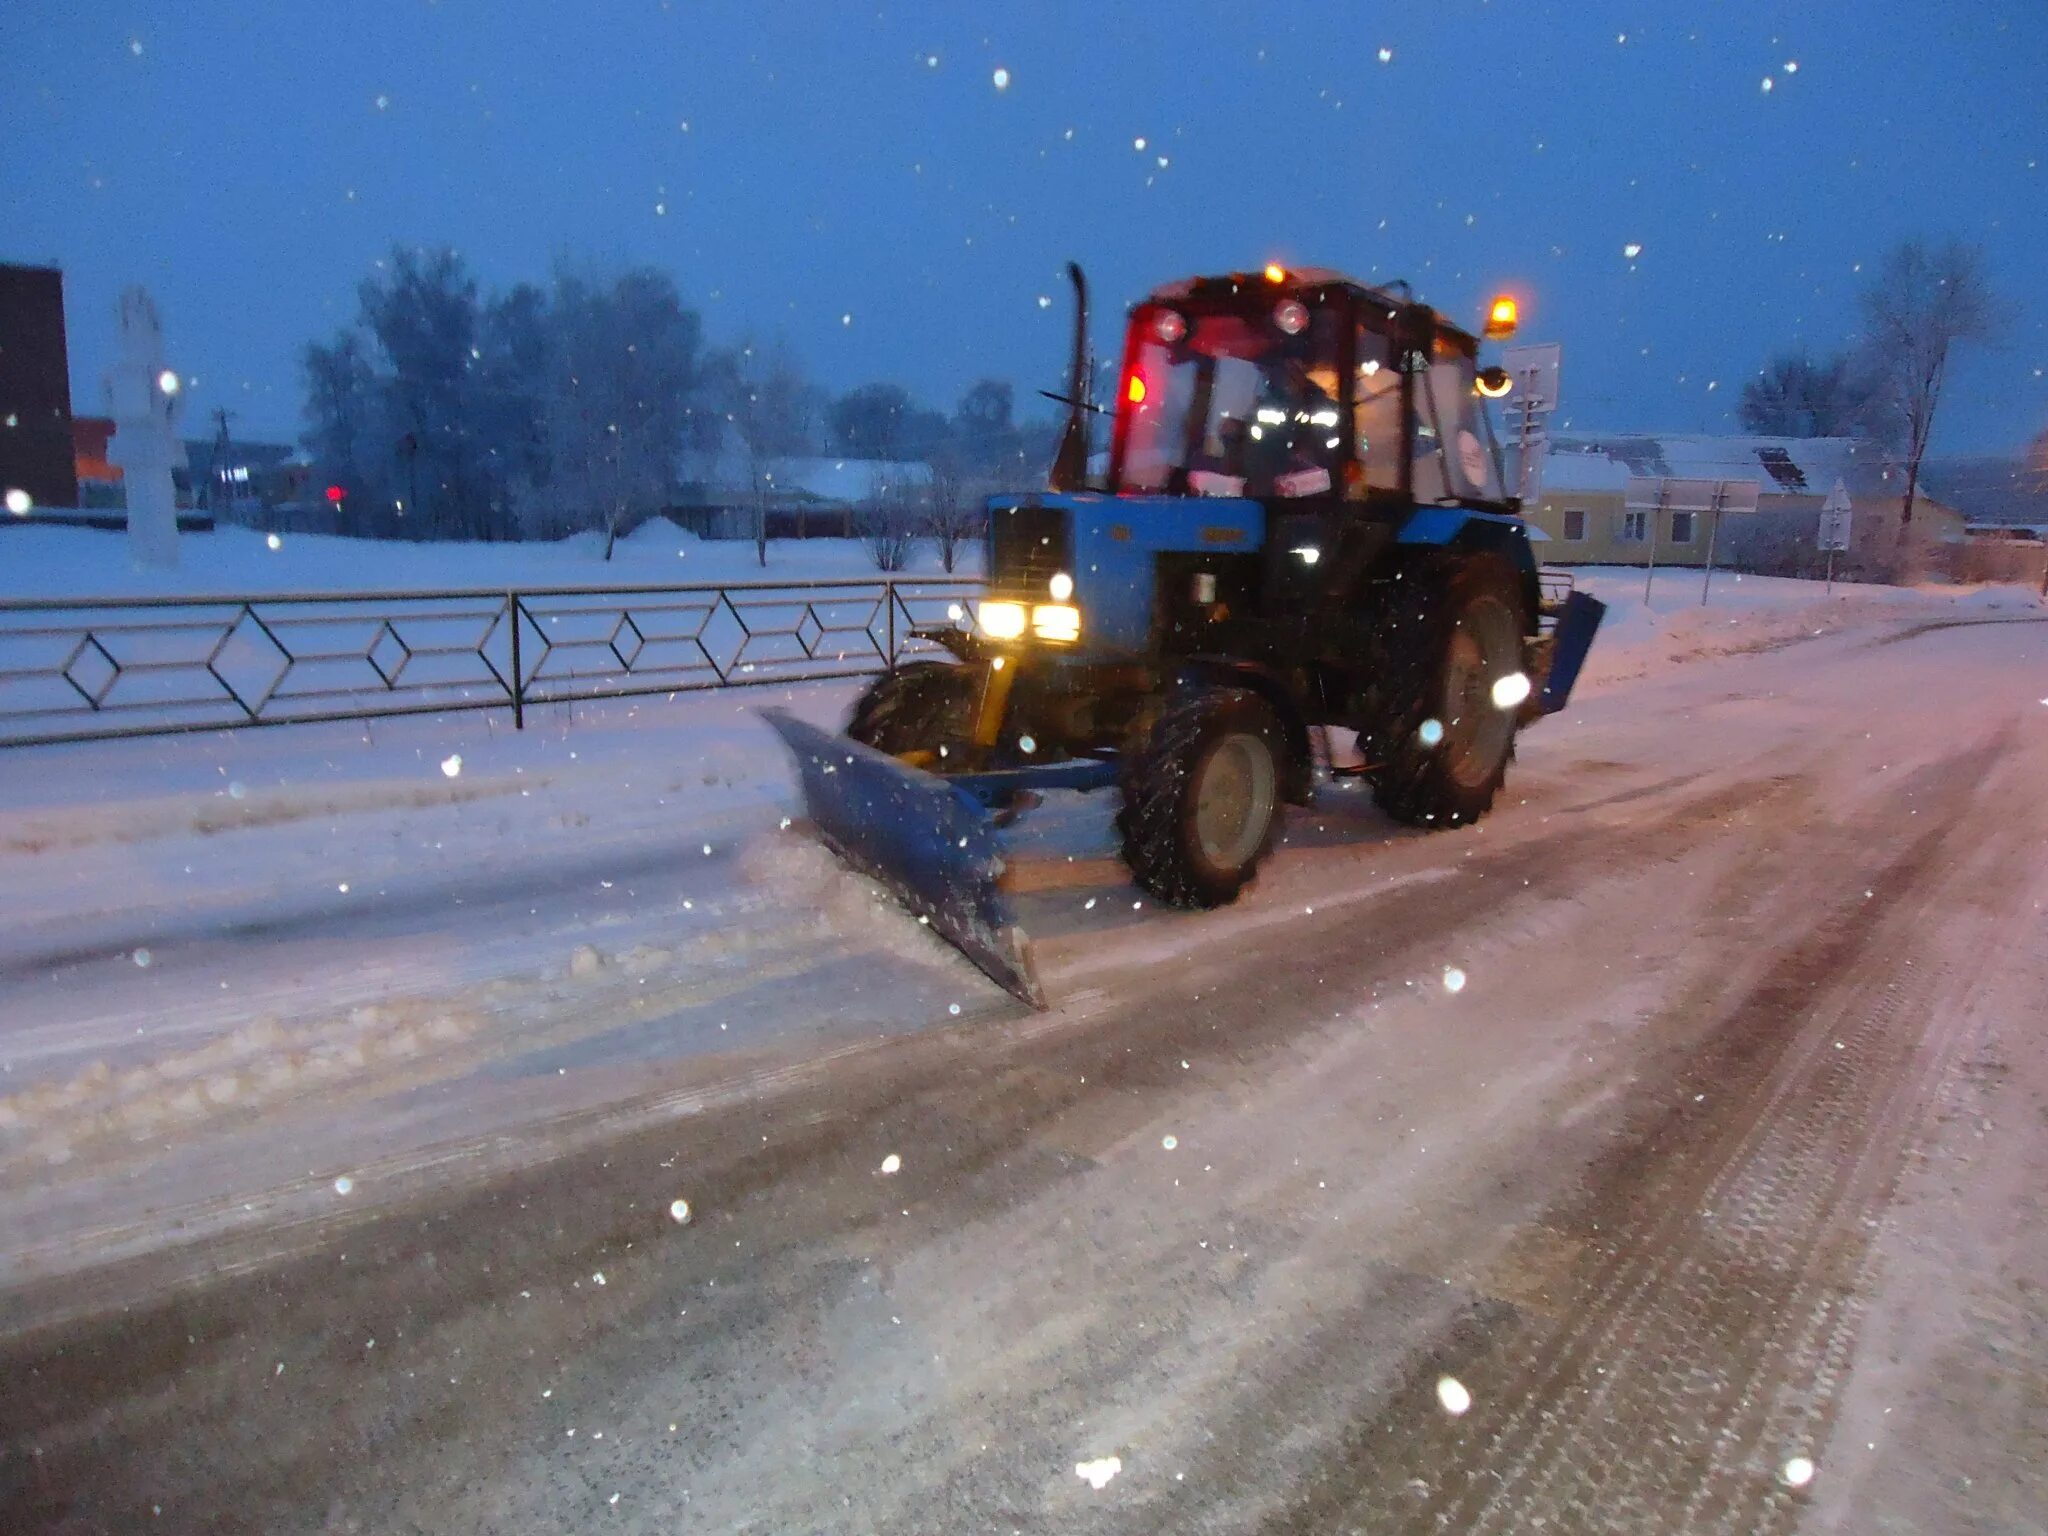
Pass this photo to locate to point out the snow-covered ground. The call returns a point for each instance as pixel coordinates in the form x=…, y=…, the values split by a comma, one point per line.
x=83, y=562
x=242, y=965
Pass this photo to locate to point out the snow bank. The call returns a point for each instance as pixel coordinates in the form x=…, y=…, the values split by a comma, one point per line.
x=1752, y=613
x=87, y=562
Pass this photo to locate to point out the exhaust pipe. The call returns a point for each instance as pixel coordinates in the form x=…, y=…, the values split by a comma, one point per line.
x=1070, y=465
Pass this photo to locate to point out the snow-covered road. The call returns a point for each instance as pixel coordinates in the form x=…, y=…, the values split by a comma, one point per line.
x=242, y=966
x=1601, y=1109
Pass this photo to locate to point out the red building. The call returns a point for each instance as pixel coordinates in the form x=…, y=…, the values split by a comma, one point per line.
x=36, y=452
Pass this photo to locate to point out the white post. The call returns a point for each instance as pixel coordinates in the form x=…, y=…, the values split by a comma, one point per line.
x=145, y=398
x=1713, y=533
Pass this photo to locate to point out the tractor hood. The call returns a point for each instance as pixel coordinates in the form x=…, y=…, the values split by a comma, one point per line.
x=1109, y=547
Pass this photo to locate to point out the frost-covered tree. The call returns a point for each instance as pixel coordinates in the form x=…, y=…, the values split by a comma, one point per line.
x=1795, y=396
x=341, y=420
x=1923, y=304
x=620, y=376
x=868, y=422
x=406, y=409
x=984, y=435
x=888, y=522
x=772, y=414
x=952, y=510
x=422, y=310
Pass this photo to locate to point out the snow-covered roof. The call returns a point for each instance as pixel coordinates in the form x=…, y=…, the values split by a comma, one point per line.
x=846, y=480
x=1780, y=466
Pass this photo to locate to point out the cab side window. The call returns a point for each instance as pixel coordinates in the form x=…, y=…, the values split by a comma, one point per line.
x=1376, y=411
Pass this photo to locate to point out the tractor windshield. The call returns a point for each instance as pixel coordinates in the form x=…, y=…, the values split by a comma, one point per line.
x=1228, y=403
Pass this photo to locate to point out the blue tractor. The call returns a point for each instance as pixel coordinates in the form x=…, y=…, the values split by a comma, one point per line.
x=1301, y=523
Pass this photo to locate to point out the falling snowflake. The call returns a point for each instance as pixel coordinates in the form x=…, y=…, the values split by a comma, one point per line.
x=142, y=957
x=1798, y=1472
x=846, y=319
x=383, y=103
x=1044, y=302
x=1632, y=250
x=1791, y=66
x=1430, y=732
x=953, y=1008
x=892, y=1164
x=1769, y=83
x=679, y=1212
x=451, y=765
x=135, y=46
x=1001, y=78
x=274, y=542
x=344, y=1184
x=19, y=501
x=1454, y=979
x=1096, y=1474
x=660, y=209
x=1139, y=145
x=1452, y=1394
x=931, y=61
x=1169, y=1142
x=1386, y=55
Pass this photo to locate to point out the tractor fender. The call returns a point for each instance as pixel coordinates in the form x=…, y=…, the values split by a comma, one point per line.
x=1465, y=530
x=1187, y=674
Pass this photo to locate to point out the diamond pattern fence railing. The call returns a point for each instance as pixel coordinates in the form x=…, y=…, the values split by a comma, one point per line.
x=89, y=668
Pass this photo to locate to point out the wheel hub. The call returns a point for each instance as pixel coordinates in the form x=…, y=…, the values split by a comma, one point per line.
x=1234, y=797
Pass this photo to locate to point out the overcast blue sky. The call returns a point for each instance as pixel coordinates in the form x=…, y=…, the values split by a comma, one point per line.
x=851, y=177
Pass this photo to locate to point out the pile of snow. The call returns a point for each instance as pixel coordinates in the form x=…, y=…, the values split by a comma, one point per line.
x=88, y=562
x=1642, y=635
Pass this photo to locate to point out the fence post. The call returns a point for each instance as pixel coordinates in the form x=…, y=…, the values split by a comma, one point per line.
x=889, y=599
x=518, y=679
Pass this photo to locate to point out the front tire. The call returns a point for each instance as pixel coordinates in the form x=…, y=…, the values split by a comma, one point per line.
x=918, y=709
x=1202, y=797
x=1447, y=636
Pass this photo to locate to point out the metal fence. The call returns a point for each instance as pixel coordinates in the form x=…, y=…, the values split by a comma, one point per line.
x=86, y=669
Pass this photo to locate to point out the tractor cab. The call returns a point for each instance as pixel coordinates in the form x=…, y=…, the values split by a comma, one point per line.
x=1298, y=385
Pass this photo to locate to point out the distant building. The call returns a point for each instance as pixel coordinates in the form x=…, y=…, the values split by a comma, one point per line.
x=99, y=480
x=2006, y=503
x=247, y=484
x=35, y=387
x=1582, y=507
x=821, y=496
x=1992, y=492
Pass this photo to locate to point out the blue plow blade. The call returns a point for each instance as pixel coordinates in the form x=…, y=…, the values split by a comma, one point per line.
x=1576, y=627
x=931, y=844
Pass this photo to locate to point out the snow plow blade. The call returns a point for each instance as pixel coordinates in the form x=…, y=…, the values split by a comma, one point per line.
x=931, y=844
x=1574, y=638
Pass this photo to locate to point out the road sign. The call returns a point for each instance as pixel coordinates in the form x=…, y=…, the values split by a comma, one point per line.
x=1835, y=517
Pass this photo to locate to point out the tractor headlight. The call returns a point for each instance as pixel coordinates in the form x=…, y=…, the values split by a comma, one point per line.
x=1056, y=621
x=1000, y=621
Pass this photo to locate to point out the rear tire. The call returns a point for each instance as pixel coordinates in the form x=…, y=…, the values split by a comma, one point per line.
x=1202, y=797
x=1447, y=634
x=920, y=707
